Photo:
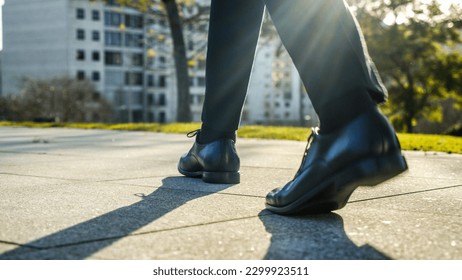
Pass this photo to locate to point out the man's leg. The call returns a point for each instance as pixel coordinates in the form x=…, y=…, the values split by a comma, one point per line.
x=325, y=44
x=233, y=35
x=356, y=145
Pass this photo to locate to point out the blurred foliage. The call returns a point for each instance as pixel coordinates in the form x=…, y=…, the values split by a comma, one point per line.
x=60, y=99
x=417, y=49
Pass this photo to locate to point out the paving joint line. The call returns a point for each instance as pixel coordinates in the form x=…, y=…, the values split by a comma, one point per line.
x=402, y=194
x=83, y=242
x=42, y=177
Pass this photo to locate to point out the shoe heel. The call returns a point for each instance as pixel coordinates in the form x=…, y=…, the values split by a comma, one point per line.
x=221, y=177
x=382, y=169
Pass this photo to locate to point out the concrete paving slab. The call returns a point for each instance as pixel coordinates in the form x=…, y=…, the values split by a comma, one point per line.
x=84, y=142
x=75, y=194
x=20, y=159
x=402, y=185
x=444, y=202
x=93, y=169
x=258, y=181
x=434, y=165
x=101, y=211
x=264, y=237
x=404, y=235
x=255, y=181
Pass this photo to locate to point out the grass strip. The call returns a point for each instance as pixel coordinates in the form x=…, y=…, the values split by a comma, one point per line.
x=415, y=142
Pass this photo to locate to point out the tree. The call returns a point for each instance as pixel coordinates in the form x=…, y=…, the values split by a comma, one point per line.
x=60, y=99
x=414, y=45
x=181, y=65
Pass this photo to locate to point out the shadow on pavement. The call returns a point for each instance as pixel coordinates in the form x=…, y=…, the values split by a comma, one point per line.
x=84, y=239
x=292, y=237
x=316, y=237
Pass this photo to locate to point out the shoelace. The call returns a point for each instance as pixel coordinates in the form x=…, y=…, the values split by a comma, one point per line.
x=311, y=137
x=193, y=133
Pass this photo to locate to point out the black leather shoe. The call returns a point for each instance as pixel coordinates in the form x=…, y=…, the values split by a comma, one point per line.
x=365, y=152
x=216, y=162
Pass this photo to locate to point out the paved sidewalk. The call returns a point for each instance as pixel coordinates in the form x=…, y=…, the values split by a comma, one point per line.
x=93, y=194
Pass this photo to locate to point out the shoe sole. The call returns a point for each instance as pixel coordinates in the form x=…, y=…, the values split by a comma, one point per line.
x=333, y=194
x=214, y=177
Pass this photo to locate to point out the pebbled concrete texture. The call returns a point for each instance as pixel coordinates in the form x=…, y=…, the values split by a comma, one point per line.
x=94, y=194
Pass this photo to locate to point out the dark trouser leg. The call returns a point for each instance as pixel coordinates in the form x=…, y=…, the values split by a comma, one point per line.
x=233, y=35
x=326, y=46
x=356, y=145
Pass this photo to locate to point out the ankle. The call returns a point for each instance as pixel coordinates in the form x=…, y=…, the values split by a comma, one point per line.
x=207, y=135
x=338, y=113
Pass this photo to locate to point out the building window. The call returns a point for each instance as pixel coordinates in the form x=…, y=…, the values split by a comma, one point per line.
x=150, y=80
x=80, y=55
x=95, y=35
x=113, y=58
x=162, y=81
x=133, y=40
x=80, y=34
x=137, y=59
x=112, y=19
x=134, y=21
x=134, y=78
x=162, y=117
x=112, y=3
x=112, y=38
x=95, y=56
x=201, y=81
x=95, y=15
x=190, y=45
x=80, y=13
x=161, y=101
x=80, y=75
x=201, y=64
x=95, y=76
x=150, y=99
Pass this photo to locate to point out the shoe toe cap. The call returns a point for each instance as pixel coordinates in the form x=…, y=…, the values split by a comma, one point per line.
x=273, y=198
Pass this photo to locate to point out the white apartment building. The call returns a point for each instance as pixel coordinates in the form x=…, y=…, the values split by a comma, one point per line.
x=89, y=40
x=128, y=55
x=2, y=2
x=276, y=94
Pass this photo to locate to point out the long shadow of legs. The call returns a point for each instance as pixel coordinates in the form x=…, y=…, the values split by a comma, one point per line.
x=84, y=239
x=320, y=237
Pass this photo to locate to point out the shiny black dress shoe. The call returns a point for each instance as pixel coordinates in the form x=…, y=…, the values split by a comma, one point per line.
x=364, y=152
x=216, y=162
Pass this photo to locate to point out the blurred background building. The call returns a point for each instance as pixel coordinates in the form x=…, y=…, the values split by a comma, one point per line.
x=128, y=56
